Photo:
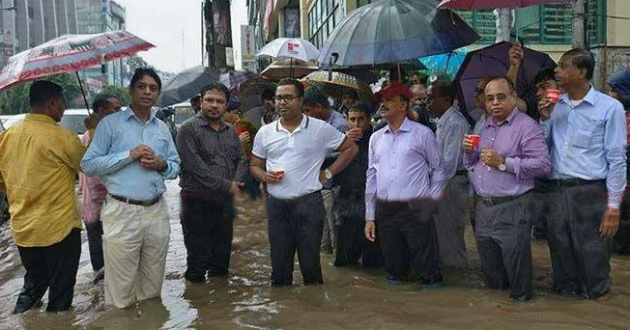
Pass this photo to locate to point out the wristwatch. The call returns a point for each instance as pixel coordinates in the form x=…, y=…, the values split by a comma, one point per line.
x=502, y=167
x=328, y=174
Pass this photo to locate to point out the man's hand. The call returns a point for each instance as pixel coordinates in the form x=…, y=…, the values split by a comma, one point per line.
x=370, y=231
x=245, y=138
x=355, y=134
x=491, y=158
x=610, y=223
x=271, y=178
x=516, y=55
x=235, y=188
x=322, y=177
x=468, y=145
x=152, y=162
x=141, y=151
x=545, y=108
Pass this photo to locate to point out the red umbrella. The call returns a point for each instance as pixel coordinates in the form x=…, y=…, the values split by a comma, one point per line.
x=492, y=4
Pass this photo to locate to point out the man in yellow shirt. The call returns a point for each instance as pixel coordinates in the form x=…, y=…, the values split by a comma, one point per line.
x=39, y=161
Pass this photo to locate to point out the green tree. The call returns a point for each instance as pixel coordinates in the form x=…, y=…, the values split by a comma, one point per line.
x=119, y=92
x=15, y=99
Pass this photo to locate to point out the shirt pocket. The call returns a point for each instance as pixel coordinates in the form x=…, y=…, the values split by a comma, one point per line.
x=587, y=132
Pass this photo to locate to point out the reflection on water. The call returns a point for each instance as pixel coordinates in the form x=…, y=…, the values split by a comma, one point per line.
x=351, y=298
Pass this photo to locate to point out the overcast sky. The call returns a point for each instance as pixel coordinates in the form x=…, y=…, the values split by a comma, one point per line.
x=174, y=27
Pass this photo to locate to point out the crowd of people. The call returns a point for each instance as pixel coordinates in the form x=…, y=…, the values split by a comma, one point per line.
x=394, y=192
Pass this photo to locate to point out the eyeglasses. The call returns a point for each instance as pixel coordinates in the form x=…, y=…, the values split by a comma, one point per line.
x=286, y=98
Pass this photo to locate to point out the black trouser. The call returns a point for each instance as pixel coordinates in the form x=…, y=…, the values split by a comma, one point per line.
x=539, y=207
x=95, y=243
x=408, y=237
x=295, y=224
x=579, y=255
x=52, y=267
x=352, y=244
x=504, y=243
x=207, y=223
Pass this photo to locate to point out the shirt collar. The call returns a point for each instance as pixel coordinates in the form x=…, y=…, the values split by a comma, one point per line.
x=128, y=113
x=39, y=118
x=405, y=127
x=303, y=125
x=589, y=97
x=490, y=121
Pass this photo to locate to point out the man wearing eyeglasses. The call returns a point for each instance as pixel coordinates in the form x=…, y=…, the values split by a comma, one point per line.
x=287, y=155
x=511, y=153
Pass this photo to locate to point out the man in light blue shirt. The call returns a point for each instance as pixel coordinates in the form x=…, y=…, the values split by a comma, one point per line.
x=586, y=131
x=133, y=153
x=452, y=126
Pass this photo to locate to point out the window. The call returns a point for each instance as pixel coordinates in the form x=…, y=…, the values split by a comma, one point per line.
x=323, y=17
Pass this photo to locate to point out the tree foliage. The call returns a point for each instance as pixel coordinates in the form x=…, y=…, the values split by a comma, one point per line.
x=15, y=99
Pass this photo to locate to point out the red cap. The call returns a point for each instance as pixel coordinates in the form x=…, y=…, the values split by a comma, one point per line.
x=394, y=89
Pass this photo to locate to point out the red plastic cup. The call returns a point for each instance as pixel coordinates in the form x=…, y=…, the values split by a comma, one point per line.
x=475, y=139
x=278, y=172
x=553, y=95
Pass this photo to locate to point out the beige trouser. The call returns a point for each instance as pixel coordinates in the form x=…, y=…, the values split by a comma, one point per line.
x=135, y=242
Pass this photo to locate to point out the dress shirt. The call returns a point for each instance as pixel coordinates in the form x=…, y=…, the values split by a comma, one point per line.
x=588, y=141
x=211, y=159
x=109, y=155
x=92, y=189
x=39, y=161
x=299, y=153
x=403, y=165
x=451, y=129
x=521, y=142
x=337, y=121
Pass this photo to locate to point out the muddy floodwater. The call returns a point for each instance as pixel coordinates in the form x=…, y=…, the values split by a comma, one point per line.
x=351, y=298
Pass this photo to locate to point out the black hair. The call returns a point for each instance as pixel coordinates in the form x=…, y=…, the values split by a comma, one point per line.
x=352, y=93
x=545, y=75
x=360, y=107
x=217, y=86
x=314, y=96
x=196, y=98
x=268, y=94
x=503, y=78
x=444, y=89
x=42, y=91
x=141, y=73
x=299, y=88
x=582, y=59
x=101, y=101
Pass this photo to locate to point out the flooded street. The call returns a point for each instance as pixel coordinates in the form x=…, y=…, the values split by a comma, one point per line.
x=351, y=298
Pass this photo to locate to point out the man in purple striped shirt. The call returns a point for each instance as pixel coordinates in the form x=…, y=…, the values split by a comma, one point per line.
x=404, y=176
x=512, y=152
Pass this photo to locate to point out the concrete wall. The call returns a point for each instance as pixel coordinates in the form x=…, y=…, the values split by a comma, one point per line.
x=50, y=20
x=618, y=29
x=37, y=26
x=22, y=28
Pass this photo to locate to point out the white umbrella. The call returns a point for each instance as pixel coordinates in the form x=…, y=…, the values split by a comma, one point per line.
x=289, y=48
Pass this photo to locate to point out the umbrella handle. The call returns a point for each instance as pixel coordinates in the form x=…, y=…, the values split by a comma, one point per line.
x=83, y=92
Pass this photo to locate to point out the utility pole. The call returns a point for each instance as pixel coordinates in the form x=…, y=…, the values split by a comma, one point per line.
x=580, y=24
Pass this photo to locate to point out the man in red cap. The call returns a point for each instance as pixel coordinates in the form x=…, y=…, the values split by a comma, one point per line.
x=404, y=178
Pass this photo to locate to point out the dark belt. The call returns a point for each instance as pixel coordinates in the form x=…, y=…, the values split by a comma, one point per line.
x=135, y=202
x=462, y=172
x=491, y=201
x=573, y=182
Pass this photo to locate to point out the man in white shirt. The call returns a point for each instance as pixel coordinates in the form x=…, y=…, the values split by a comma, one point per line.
x=288, y=155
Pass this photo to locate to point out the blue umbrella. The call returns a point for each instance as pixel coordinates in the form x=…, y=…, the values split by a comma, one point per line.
x=391, y=31
x=445, y=64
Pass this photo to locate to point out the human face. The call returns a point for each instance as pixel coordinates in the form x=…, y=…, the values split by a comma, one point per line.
x=196, y=105
x=480, y=97
x=543, y=86
x=414, y=80
x=500, y=100
x=347, y=100
x=145, y=92
x=213, y=105
x=55, y=108
x=393, y=108
x=315, y=111
x=437, y=105
x=288, y=103
x=116, y=105
x=357, y=119
x=109, y=109
x=419, y=93
x=567, y=74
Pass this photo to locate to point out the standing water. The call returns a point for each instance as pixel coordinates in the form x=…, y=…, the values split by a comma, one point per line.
x=351, y=298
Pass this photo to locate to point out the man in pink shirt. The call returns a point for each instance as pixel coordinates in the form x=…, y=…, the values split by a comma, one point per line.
x=94, y=192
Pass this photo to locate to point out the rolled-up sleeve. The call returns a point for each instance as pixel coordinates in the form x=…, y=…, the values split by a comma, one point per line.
x=615, y=153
